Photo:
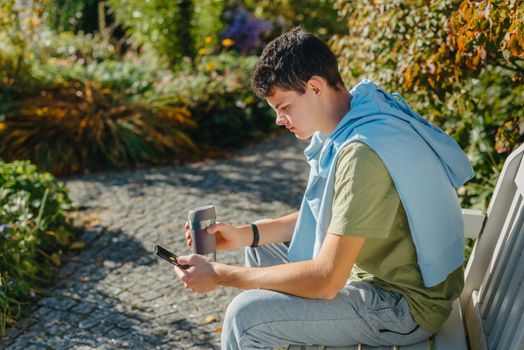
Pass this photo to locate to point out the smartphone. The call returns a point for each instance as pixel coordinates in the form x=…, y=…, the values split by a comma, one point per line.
x=168, y=256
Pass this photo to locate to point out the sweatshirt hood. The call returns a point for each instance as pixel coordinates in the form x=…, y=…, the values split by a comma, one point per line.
x=369, y=103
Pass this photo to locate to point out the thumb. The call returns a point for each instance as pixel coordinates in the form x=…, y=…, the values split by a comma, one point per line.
x=214, y=228
x=184, y=259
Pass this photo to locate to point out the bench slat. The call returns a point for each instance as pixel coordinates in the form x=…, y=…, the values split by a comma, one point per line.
x=450, y=336
x=492, y=296
x=495, y=272
x=514, y=273
x=473, y=321
x=519, y=178
x=518, y=340
x=497, y=216
x=516, y=316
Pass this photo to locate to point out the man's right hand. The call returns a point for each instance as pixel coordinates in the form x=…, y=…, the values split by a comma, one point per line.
x=228, y=237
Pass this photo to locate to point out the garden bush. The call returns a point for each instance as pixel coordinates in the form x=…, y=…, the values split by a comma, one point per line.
x=84, y=125
x=34, y=234
x=227, y=113
x=172, y=29
x=71, y=116
x=73, y=15
x=75, y=105
x=459, y=63
x=318, y=16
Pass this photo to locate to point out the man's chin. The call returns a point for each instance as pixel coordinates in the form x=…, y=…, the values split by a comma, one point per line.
x=301, y=136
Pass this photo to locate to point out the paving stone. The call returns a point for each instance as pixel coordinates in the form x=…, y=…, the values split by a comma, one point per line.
x=116, y=333
x=58, y=303
x=90, y=235
x=28, y=337
x=86, y=337
x=67, y=270
x=58, y=330
x=10, y=334
x=83, y=308
x=202, y=347
x=151, y=295
x=5, y=342
x=88, y=323
x=70, y=319
x=48, y=342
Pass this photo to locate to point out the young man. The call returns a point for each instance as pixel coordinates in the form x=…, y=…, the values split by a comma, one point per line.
x=375, y=253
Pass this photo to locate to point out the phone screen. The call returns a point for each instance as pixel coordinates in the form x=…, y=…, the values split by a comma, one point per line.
x=168, y=256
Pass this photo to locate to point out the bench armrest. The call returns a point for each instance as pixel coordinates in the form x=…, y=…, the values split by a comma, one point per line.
x=473, y=222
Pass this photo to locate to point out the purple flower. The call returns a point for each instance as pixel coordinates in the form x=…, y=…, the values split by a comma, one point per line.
x=246, y=30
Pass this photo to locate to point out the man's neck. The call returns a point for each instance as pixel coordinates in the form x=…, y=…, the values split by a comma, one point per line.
x=340, y=106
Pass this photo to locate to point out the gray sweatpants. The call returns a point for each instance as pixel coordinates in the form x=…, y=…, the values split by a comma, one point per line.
x=360, y=314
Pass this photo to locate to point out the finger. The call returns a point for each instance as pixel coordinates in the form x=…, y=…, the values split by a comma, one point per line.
x=189, y=243
x=187, y=225
x=188, y=235
x=214, y=228
x=184, y=259
x=179, y=272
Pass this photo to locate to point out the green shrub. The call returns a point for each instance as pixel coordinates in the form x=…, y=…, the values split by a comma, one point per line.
x=75, y=105
x=81, y=126
x=73, y=15
x=218, y=94
x=73, y=47
x=19, y=25
x=130, y=80
x=317, y=16
x=71, y=116
x=451, y=69
x=172, y=29
x=34, y=232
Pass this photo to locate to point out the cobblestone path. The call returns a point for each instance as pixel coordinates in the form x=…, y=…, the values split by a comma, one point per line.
x=116, y=294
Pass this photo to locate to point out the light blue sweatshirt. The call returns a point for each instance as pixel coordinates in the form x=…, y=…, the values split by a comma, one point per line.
x=426, y=166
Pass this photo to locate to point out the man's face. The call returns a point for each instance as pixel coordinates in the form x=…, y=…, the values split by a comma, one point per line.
x=298, y=113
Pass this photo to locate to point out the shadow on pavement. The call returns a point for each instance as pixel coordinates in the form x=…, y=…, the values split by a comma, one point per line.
x=110, y=296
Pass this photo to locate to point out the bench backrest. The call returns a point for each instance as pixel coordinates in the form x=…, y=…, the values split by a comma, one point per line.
x=493, y=298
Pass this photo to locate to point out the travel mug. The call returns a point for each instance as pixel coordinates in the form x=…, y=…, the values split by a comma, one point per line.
x=199, y=219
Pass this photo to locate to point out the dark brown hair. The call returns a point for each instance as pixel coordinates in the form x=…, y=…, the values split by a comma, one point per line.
x=290, y=60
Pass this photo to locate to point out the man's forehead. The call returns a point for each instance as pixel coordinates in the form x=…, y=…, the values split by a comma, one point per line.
x=278, y=97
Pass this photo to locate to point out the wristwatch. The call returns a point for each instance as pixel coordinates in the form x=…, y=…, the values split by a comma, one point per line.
x=256, y=236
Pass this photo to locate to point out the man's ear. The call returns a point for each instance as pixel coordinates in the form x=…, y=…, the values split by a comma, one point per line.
x=317, y=85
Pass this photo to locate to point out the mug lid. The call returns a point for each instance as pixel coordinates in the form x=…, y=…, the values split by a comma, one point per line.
x=205, y=212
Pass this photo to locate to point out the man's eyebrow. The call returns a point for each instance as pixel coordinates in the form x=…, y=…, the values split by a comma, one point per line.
x=279, y=104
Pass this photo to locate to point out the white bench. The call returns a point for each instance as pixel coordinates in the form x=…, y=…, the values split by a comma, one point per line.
x=491, y=307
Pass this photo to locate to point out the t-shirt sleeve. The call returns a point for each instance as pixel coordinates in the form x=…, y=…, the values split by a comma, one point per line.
x=365, y=200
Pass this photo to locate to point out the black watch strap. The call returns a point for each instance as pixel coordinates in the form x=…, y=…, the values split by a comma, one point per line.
x=256, y=236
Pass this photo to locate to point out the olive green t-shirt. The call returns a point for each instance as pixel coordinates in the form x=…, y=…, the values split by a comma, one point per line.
x=366, y=203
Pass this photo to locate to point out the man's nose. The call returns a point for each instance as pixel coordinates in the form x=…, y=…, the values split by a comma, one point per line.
x=281, y=120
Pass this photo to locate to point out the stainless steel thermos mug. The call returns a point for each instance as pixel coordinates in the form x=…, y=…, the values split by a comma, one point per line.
x=199, y=219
